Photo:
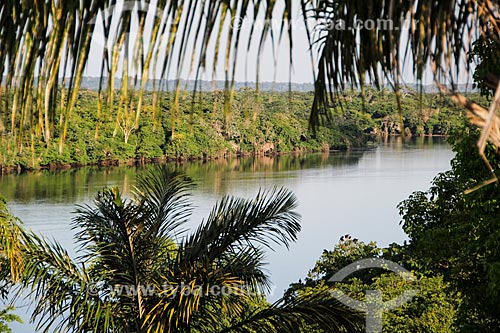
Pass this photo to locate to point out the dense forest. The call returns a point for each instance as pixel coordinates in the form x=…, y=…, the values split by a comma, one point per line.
x=202, y=127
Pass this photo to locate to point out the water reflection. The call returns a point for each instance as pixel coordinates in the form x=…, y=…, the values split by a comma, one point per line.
x=78, y=185
x=419, y=142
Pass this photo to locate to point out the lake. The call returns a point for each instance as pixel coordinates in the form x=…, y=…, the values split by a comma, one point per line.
x=354, y=192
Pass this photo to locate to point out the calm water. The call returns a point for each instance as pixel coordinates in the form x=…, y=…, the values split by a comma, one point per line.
x=339, y=193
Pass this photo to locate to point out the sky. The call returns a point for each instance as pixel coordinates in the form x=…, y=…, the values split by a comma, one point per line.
x=274, y=67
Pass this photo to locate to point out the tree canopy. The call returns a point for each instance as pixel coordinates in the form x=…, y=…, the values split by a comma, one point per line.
x=455, y=235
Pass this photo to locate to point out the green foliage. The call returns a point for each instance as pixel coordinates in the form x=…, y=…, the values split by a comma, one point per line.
x=264, y=123
x=150, y=141
x=347, y=251
x=6, y=317
x=64, y=26
x=128, y=244
x=5, y=277
x=486, y=54
x=456, y=235
x=6, y=260
x=433, y=309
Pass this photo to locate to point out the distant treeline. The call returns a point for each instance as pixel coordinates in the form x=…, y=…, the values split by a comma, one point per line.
x=202, y=127
x=92, y=83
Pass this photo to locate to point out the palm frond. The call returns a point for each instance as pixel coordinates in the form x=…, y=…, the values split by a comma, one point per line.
x=248, y=265
x=165, y=195
x=41, y=40
x=317, y=310
x=224, y=253
x=60, y=289
x=421, y=34
x=203, y=283
x=115, y=238
x=109, y=229
x=10, y=242
x=129, y=241
x=269, y=218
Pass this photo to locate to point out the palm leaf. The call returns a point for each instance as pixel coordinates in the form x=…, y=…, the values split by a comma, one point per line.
x=10, y=243
x=224, y=253
x=421, y=34
x=35, y=36
x=317, y=310
x=126, y=243
x=269, y=218
x=60, y=288
x=165, y=195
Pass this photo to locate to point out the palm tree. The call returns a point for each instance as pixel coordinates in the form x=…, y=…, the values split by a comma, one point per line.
x=43, y=40
x=137, y=270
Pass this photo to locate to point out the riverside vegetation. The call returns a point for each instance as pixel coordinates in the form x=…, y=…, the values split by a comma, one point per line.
x=257, y=123
x=452, y=253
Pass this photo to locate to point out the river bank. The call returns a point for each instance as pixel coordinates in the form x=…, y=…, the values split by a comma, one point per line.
x=141, y=162
x=258, y=124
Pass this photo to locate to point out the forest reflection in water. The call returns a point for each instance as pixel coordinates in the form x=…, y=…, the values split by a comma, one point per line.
x=78, y=185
